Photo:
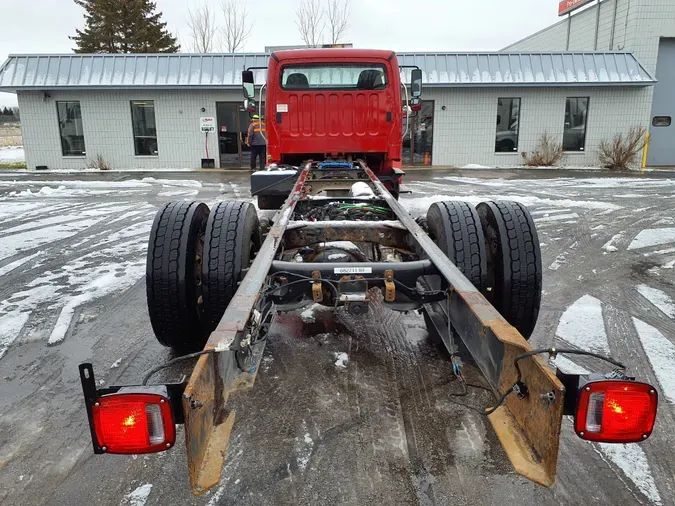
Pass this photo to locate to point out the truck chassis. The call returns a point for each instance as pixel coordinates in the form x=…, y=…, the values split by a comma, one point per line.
x=219, y=304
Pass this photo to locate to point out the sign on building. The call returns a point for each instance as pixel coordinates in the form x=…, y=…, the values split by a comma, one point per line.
x=207, y=124
x=567, y=6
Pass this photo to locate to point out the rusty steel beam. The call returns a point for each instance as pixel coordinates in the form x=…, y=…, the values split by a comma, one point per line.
x=529, y=428
x=208, y=422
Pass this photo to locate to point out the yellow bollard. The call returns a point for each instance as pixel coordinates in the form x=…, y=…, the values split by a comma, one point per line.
x=645, y=150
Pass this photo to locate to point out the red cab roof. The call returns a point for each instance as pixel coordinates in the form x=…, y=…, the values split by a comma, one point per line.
x=310, y=54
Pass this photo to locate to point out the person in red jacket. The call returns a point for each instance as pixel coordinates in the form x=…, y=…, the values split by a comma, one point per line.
x=257, y=141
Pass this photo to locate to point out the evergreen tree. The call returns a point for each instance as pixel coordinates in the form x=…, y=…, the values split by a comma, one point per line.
x=123, y=26
x=6, y=112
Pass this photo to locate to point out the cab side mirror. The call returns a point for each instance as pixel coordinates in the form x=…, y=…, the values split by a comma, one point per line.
x=250, y=106
x=416, y=83
x=248, y=84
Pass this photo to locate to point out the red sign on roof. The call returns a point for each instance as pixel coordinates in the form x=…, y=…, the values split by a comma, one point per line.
x=566, y=6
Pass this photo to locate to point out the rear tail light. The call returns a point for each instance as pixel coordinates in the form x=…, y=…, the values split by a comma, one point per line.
x=133, y=423
x=616, y=411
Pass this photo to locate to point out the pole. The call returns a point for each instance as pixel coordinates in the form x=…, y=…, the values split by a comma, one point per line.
x=569, y=29
x=611, y=36
x=645, y=150
x=597, y=25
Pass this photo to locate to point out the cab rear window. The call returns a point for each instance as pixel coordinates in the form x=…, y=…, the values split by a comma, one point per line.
x=334, y=77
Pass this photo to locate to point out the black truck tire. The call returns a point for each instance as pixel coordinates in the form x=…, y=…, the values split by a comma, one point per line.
x=514, y=257
x=231, y=240
x=173, y=275
x=456, y=229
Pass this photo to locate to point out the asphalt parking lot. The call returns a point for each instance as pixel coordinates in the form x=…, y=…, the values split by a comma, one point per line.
x=378, y=429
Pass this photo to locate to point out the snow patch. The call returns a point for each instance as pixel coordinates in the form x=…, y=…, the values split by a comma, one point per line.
x=659, y=299
x=631, y=459
x=661, y=354
x=567, y=366
x=116, y=363
x=18, y=263
x=178, y=193
x=556, y=217
x=10, y=327
x=582, y=325
x=14, y=244
x=341, y=359
x=653, y=237
x=308, y=314
x=12, y=154
x=475, y=166
x=138, y=497
x=191, y=183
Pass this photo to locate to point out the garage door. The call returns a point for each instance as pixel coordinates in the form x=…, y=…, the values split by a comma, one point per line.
x=662, y=128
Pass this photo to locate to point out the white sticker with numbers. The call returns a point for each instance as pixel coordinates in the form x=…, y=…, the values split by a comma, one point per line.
x=282, y=107
x=353, y=270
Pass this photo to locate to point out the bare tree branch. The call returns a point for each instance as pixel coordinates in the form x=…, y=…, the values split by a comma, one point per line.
x=310, y=22
x=337, y=19
x=237, y=25
x=202, y=24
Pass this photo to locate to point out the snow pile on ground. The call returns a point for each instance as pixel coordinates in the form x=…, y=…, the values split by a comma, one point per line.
x=12, y=154
x=341, y=359
x=610, y=246
x=44, y=191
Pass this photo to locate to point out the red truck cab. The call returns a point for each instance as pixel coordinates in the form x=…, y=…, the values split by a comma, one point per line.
x=335, y=104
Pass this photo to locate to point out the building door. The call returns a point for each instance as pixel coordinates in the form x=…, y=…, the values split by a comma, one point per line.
x=418, y=142
x=229, y=134
x=233, y=122
x=662, y=128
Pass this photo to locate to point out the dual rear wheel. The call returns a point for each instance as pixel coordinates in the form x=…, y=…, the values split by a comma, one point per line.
x=196, y=260
x=495, y=245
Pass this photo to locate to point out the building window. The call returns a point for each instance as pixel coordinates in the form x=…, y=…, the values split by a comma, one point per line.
x=338, y=76
x=508, y=111
x=70, y=127
x=576, y=112
x=661, y=121
x=145, y=130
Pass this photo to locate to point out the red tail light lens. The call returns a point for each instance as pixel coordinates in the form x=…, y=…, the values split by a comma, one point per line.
x=133, y=423
x=614, y=411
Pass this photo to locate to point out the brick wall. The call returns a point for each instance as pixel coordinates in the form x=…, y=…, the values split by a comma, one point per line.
x=465, y=131
x=106, y=119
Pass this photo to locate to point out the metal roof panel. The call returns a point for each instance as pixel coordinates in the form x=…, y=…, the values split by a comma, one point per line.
x=184, y=71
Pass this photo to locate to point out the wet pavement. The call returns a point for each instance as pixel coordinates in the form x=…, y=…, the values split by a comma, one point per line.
x=379, y=430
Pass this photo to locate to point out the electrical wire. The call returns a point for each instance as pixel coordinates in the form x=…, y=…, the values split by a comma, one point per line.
x=553, y=352
x=171, y=362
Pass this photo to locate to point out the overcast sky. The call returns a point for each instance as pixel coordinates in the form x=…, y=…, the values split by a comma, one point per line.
x=43, y=26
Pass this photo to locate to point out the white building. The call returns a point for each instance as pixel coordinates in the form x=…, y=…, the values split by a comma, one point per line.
x=572, y=81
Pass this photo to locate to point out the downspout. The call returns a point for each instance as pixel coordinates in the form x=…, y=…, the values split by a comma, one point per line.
x=597, y=25
x=569, y=28
x=611, y=36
